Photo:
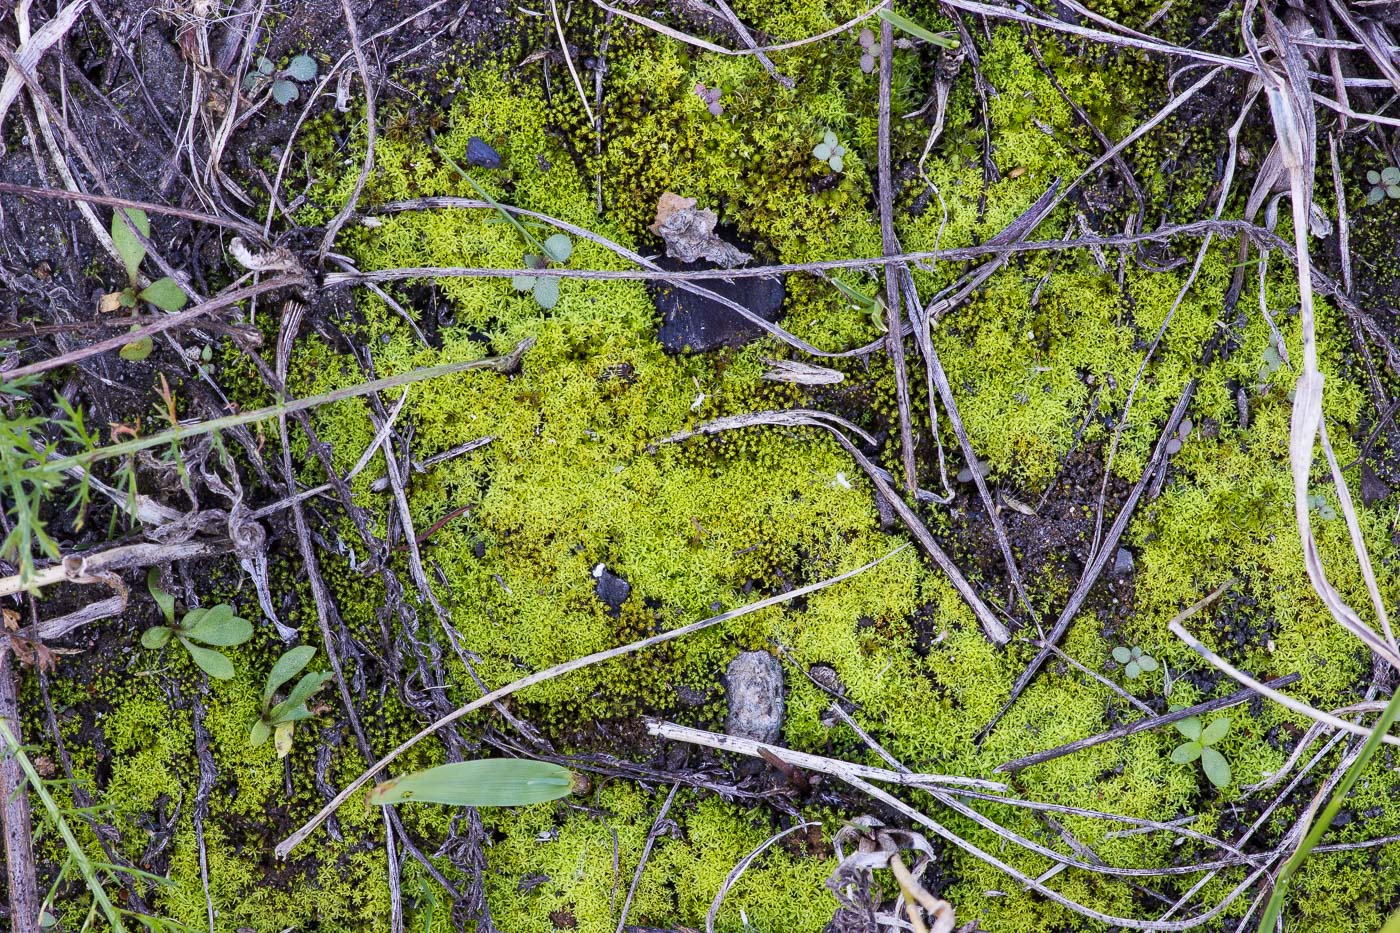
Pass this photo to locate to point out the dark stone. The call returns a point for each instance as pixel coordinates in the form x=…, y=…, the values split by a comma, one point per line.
x=755, y=680
x=1123, y=564
x=694, y=324
x=1373, y=488
x=611, y=589
x=481, y=154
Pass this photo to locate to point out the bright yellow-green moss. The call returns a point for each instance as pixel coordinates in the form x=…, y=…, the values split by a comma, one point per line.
x=1042, y=359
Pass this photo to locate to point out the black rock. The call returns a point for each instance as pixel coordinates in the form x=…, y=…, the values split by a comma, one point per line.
x=481, y=154
x=694, y=324
x=611, y=589
x=1373, y=488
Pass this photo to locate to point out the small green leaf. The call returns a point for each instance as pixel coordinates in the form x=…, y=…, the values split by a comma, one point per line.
x=127, y=299
x=137, y=350
x=287, y=667
x=1215, y=731
x=302, y=692
x=899, y=21
x=1132, y=670
x=259, y=733
x=302, y=68
x=157, y=636
x=547, y=292
x=1390, y=175
x=559, y=247
x=1217, y=769
x=1392, y=191
x=829, y=137
x=164, y=600
x=220, y=627
x=821, y=152
x=1122, y=655
x=128, y=247
x=284, y=92
x=1148, y=663
x=1187, y=752
x=1374, y=177
x=836, y=162
x=491, y=782
x=1376, y=195
x=265, y=65
x=1191, y=727
x=212, y=662
x=523, y=283
x=165, y=293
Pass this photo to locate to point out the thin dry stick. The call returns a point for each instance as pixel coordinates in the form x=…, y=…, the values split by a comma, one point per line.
x=1143, y=725
x=150, y=207
x=994, y=628
x=646, y=854
x=894, y=339
x=340, y=218
x=19, y=833
x=286, y=846
x=819, y=763
x=1282, y=699
x=752, y=50
x=158, y=326
x=1100, y=560
x=742, y=866
x=569, y=60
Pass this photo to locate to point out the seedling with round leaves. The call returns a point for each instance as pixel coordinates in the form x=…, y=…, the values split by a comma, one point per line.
x=555, y=250
x=870, y=50
x=1384, y=184
x=1135, y=661
x=489, y=782
x=278, y=719
x=283, y=83
x=830, y=151
x=1199, y=745
x=215, y=626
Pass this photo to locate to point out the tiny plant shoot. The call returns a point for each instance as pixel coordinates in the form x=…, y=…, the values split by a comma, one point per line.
x=165, y=293
x=1199, y=744
x=216, y=625
x=490, y=782
x=279, y=720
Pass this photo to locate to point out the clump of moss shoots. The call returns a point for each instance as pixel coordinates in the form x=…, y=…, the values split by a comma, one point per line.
x=1042, y=360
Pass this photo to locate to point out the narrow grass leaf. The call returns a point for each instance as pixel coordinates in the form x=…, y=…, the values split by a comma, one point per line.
x=492, y=782
x=904, y=23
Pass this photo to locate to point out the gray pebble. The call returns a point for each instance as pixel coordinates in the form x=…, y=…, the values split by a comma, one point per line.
x=755, y=697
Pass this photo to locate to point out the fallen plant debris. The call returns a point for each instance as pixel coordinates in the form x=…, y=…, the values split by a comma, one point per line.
x=1091, y=303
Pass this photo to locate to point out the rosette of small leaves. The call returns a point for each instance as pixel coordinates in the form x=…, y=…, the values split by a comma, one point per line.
x=217, y=626
x=1199, y=745
x=830, y=151
x=557, y=249
x=1384, y=184
x=711, y=96
x=278, y=719
x=284, y=88
x=1135, y=661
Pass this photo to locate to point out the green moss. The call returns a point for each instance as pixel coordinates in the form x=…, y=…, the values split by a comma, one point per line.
x=1042, y=360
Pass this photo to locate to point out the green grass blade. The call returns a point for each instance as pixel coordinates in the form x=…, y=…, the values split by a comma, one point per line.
x=70, y=842
x=1285, y=876
x=490, y=782
x=904, y=23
